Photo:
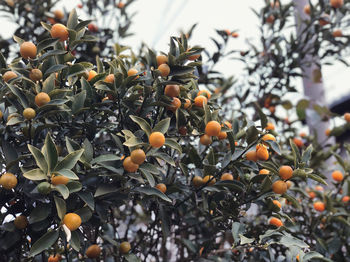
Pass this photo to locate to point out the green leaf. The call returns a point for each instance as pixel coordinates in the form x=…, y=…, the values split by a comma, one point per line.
x=263, y=118
x=76, y=69
x=151, y=191
x=233, y=185
x=148, y=176
x=171, y=142
x=289, y=241
x=21, y=96
x=35, y=174
x=74, y=186
x=162, y=126
x=104, y=189
x=78, y=101
x=105, y=158
x=150, y=168
x=164, y=157
x=50, y=153
x=88, y=198
x=67, y=173
x=46, y=241
x=2, y=61
x=75, y=240
x=246, y=240
x=237, y=230
x=60, y=206
x=317, y=178
x=72, y=19
x=39, y=213
x=70, y=160
x=252, y=134
x=39, y=158
x=307, y=154
x=296, y=154
x=63, y=190
x=274, y=146
x=132, y=258
x=143, y=124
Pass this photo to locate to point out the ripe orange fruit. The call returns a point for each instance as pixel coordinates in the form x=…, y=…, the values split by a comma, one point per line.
x=285, y=172
x=175, y=104
x=324, y=20
x=1, y=114
x=270, y=19
x=93, y=251
x=156, y=139
x=193, y=57
x=205, y=140
x=187, y=103
x=298, y=142
x=336, y=3
x=42, y=99
x=226, y=176
x=58, y=14
x=235, y=34
x=302, y=134
x=319, y=206
x=59, y=180
x=162, y=59
x=161, y=187
x=110, y=78
x=21, y=222
x=337, y=33
x=307, y=9
x=212, y=128
x=207, y=178
x=8, y=76
x=276, y=222
x=8, y=181
x=262, y=153
x=297, y=257
x=327, y=132
x=312, y=195
x=54, y=258
x=105, y=98
x=138, y=156
x=124, y=247
x=205, y=93
x=222, y=135
x=228, y=32
x=277, y=203
x=345, y=199
x=164, y=69
x=264, y=172
x=275, y=4
x=251, y=155
x=319, y=188
x=289, y=184
x=182, y=130
x=200, y=100
x=172, y=90
x=130, y=166
x=35, y=75
x=28, y=50
x=228, y=124
x=197, y=181
x=132, y=71
x=120, y=5
x=29, y=113
x=93, y=73
x=337, y=176
x=279, y=187
x=268, y=137
x=270, y=126
x=59, y=31
x=347, y=117
x=93, y=28
x=72, y=221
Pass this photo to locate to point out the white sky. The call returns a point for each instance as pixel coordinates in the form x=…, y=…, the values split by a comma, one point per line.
x=160, y=19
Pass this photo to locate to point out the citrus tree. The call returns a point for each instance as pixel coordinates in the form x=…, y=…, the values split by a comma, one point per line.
x=123, y=157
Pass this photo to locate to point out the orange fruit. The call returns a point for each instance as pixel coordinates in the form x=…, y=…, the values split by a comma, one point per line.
x=228, y=124
x=35, y=75
x=275, y=4
x=337, y=33
x=182, y=130
x=1, y=114
x=164, y=69
x=226, y=176
x=58, y=14
x=59, y=180
x=138, y=156
x=175, y=104
x=279, y=187
x=337, y=176
x=251, y=155
x=8, y=181
x=193, y=57
x=110, y=78
x=235, y=34
x=222, y=135
x=262, y=153
x=312, y=195
x=268, y=137
x=162, y=59
x=297, y=257
x=197, y=181
x=285, y=172
x=54, y=258
x=161, y=187
x=156, y=139
x=336, y=3
x=327, y=132
x=345, y=199
x=275, y=222
x=29, y=113
x=302, y=134
x=264, y=172
x=132, y=72
x=289, y=184
x=93, y=28
x=187, y=103
x=270, y=19
x=200, y=100
x=307, y=9
x=59, y=31
x=319, y=188
x=42, y=99
x=298, y=142
x=324, y=20
x=93, y=251
x=205, y=93
x=270, y=126
x=277, y=203
x=8, y=76
x=319, y=206
x=120, y=5
x=205, y=140
x=72, y=221
x=130, y=166
x=172, y=90
x=228, y=32
x=213, y=128
x=28, y=50
x=93, y=73
x=105, y=98
x=124, y=247
x=21, y=222
x=347, y=117
x=207, y=178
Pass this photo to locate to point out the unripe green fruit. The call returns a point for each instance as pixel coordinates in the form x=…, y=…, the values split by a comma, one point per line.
x=44, y=188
